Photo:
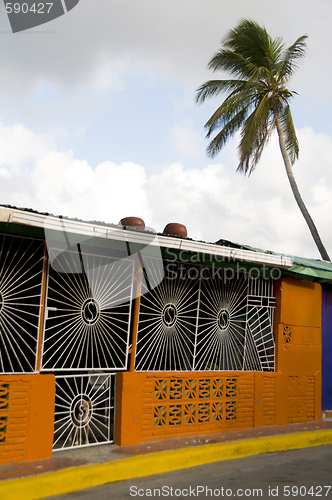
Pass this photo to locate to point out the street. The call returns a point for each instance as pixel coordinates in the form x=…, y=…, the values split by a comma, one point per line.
x=305, y=473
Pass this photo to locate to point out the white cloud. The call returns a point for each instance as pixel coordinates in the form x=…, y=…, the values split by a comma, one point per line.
x=67, y=186
x=18, y=145
x=173, y=38
x=214, y=202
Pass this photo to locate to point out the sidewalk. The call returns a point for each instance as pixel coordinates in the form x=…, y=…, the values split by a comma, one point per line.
x=81, y=468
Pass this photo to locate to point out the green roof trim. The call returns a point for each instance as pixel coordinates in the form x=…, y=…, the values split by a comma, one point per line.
x=309, y=269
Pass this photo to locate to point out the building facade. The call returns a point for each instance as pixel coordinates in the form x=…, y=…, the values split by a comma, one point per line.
x=113, y=335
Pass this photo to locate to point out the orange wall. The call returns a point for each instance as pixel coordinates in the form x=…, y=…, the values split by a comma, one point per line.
x=298, y=327
x=26, y=417
x=299, y=346
x=152, y=406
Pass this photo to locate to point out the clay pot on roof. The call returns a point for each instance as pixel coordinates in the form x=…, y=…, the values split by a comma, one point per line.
x=176, y=229
x=134, y=222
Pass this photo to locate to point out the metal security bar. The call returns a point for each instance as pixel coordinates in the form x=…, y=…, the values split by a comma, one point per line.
x=88, y=312
x=167, y=320
x=222, y=322
x=21, y=270
x=260, y=348
x=206, y=319
x=84, y=410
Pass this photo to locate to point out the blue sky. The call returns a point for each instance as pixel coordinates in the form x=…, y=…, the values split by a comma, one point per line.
x=98, y=120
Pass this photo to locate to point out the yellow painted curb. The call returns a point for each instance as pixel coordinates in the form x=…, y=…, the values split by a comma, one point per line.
x=77, y=478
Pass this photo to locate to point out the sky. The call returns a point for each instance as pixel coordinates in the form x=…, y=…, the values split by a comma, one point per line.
x=98, y=121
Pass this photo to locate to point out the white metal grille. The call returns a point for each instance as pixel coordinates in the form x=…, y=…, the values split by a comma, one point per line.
x=88, y=313
x=84, y=410
x=222, y=322
x=21, y=270
x=206, y=319
x=259, y=347
x=167, y=320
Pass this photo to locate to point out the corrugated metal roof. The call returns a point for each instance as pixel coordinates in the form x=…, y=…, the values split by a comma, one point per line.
x=307, y=268
x=320, y=270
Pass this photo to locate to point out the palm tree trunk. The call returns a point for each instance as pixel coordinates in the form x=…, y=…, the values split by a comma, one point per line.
x=296, y=192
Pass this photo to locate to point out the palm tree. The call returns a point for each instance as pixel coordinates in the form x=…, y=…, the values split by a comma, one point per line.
x=257, y=101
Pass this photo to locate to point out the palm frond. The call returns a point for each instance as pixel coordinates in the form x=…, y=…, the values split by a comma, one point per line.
x=259, y=147
x=252, y=41
x=228, y=109
x=212, y=88
x=254, y=131
x=233, y=62
x=291, y=57
x=262, y=74
x=227, y=131
x=292, y=145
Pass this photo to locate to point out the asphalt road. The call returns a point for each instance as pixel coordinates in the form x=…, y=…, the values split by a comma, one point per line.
x=305, y=473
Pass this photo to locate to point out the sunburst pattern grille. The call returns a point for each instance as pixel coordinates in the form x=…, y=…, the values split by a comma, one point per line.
x=204, y=319
x=167, y=320
x=84, y=410
x=89, y=306
x=222, y=322
x=21, y=268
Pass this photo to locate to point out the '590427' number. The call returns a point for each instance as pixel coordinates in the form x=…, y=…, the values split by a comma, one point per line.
x=35, y=8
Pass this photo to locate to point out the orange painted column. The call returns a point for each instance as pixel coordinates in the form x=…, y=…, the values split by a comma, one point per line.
x=138, y=279
x=299, y=329
x=298, y=350
x=129, y=388
x=128, y=407
x=26, y=417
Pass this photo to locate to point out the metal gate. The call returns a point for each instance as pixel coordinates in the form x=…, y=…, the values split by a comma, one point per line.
x=86, y=335
x=84, y=410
